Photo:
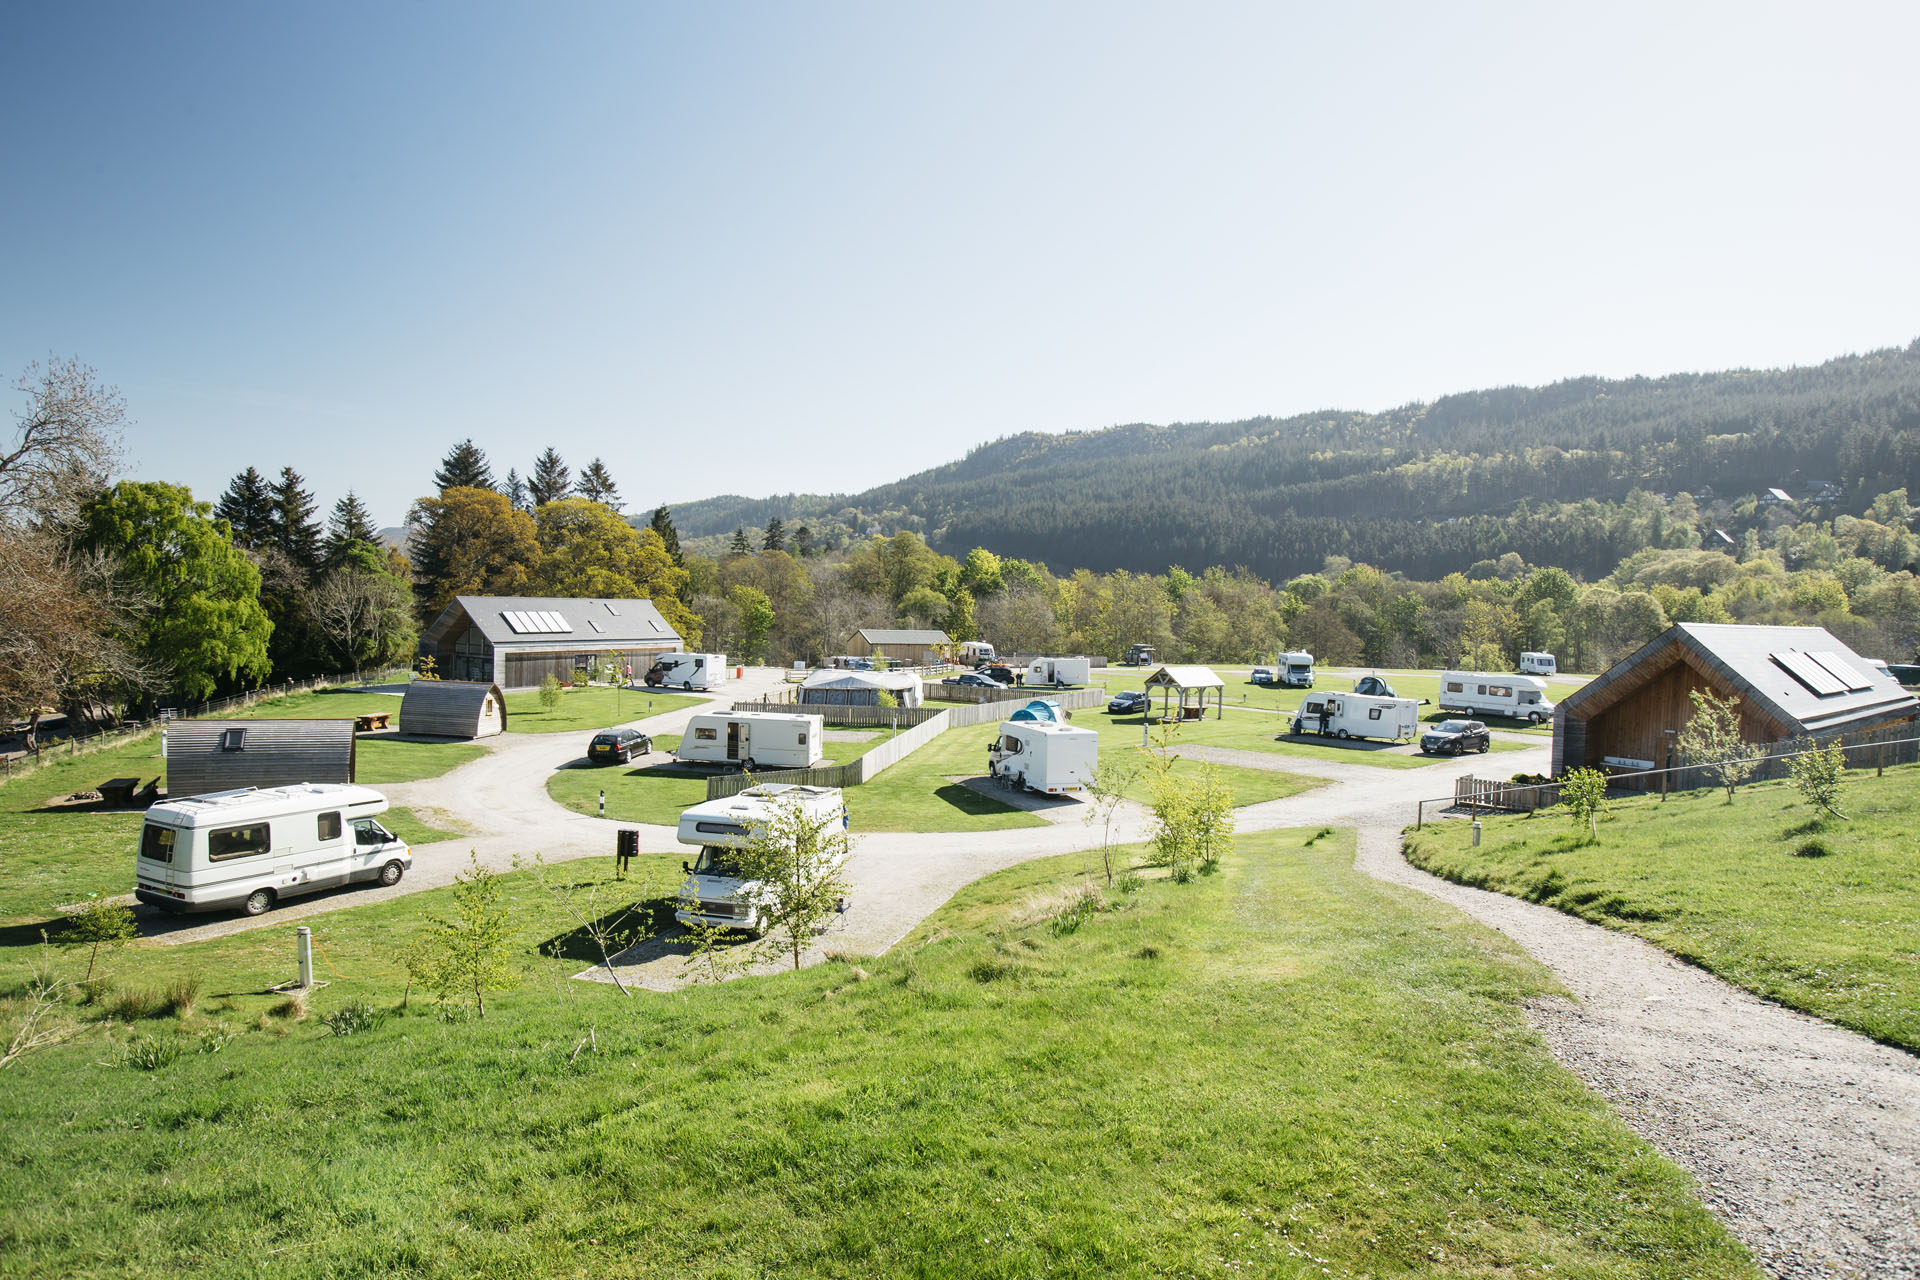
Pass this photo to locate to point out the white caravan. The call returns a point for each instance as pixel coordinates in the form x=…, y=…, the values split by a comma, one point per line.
x=1495, y=693
x=1054, y=759
x=1296, y=670
x=1060, y=671
x=1357, y=715
x=975, y=652
x=1539, y=664
x=715, y=893
x=752, y=740
x=688, y=670
x=252, y=847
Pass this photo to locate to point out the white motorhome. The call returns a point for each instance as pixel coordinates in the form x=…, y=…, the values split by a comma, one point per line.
x=1539, y=664
x=253, y=847
x=688, y=670
x=1295, y=669
x=1357, y=715
x=752, y=740
x=1495, y=693
x=1054, y=759
x=975, y=652
x=1060, y=671
x=715, y=893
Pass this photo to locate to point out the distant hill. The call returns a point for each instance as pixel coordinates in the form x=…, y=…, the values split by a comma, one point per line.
x=1424, y=489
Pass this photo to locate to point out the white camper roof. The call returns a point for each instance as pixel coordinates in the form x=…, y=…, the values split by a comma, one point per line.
x=219, y=807
x=729, y=819
x=1044, y=729
x=757, y=717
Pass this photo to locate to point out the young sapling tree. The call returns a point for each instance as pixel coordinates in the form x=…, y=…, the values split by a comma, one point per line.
x=611, y=926
x=466, y=953
x=1584, y=792
x=1816, y=773
x=798, y=861
x=98, y=923
x=1712, y=741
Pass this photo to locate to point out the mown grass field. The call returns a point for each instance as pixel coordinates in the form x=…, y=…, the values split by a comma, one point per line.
x=1821, y=915
x=655, y=790
x=1281, y=1069
x=1241, y=691
x=591, y=707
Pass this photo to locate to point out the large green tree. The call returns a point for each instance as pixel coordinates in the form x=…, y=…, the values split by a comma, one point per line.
x=586, y=549
x=247, y=507
x=203, y=621
x=350, y=525
x=596, y=485
x=295, y=531
x=469, y=542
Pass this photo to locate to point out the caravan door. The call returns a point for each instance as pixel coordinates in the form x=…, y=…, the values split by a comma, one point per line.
x=739, y=740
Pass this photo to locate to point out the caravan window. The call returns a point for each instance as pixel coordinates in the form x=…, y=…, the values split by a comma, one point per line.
x=238, y=842
x=329, y=826
x=1010, y=745
x=1373, y=713
x=1499, y=691
x=802, y=739
x=156, y=843
x=706, y=735
x=1454, y=686
x=720, y=828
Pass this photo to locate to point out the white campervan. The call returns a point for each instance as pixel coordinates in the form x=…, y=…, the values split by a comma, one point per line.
x=715, y=893
x=752, y=740
x=976, y=652
x=252, y=847
x=688, y=670
x=1357, y=715
x=1054, y=759
x=1296, y=670
x=1539, y=664
x=1059, y=671
x=1495, y=693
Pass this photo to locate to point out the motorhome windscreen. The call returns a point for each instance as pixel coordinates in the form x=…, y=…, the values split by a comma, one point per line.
x=156, y=843
x=715, y=861
x=238, y=842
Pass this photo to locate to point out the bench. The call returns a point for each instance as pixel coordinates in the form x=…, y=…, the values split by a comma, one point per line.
x=118, y=792
x=373, y=720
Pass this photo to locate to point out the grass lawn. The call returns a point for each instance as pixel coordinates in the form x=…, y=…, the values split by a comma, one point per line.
x=593, y=707
x=385, y=760
x=413, y=827
x=323, y=704
x=656, y=791
x=50, y=856
x=1823, y=916
x=1408, y=684
x=1285, y=1068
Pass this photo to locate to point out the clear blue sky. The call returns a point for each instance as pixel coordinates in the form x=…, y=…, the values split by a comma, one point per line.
x=765, y=247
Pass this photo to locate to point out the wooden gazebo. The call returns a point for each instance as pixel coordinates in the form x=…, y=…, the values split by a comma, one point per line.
x=1191, y=684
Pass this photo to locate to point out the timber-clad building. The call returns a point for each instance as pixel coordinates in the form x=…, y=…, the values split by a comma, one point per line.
x=204, y=756
x=453, y=709
x=903, y=644
x=518, y=641
x=1791, y=682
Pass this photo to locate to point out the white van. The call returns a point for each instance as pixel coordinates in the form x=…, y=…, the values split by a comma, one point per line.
x=1495, y=693
x=252, y=847
x=1296, y=670
x=714, y=892
x=1539, y=664
x=752, y=740
x=1357, y=715
x=688, y=671
x=975, y=653
x=1059, y=671
x=1054, y=759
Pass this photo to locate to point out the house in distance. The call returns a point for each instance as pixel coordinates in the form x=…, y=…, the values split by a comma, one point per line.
x=518, y=641
x=1791, y=682
x=915, y=648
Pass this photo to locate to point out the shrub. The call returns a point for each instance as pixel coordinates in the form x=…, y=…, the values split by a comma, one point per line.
x=1081, y=906
x=1816, y=773
x=550, y=694
x=131, y=1004
x=182, y=994
x=1813, y=849
x=98, y=923
x=1584, y=791
x=293, y=1008
x=152, y=1054
x=352, y=1017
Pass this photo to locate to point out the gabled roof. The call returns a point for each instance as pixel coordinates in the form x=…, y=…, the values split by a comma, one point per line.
x=1761, y=662
x=883, y=635
x=1186, y=677
x=833, y=678
x=559, y=621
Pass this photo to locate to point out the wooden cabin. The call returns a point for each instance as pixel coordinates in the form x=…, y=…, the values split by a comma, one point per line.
x=205, y=756
x=914, y=648
x=453, y=709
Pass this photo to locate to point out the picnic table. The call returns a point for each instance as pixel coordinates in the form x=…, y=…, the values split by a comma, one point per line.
x=373, y=720
x=118, y=792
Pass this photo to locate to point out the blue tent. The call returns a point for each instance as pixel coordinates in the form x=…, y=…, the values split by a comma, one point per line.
x=1045, y=710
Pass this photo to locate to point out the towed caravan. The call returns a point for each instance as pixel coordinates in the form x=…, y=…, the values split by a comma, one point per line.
x=1059, y=671
x=1357, y=715
x=1539, y=664
x=715, y=893
x=1489, y=693
x=252, y=847
x=1053, y=759
x=752, y=739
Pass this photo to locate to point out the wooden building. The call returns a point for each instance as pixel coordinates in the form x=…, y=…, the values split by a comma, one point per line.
x=915, y=648
x=518, y=641
x=204, y=756
x=1190, y=684
x=1791, y=682
x=453, y=709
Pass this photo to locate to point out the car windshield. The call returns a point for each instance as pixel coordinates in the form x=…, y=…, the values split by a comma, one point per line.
x=1455, y=726
x=715, y=861
x=605, y=739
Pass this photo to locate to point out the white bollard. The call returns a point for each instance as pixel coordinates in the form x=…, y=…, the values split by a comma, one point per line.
x=1476, y=833
x=603, y=802
x=305, y=936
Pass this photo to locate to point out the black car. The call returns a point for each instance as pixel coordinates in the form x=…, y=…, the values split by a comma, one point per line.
x=1129, y=701
x=617, y=746
x=974, y=680
x=1456, y=737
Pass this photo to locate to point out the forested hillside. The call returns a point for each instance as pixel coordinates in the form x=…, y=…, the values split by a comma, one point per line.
x=1426, y=489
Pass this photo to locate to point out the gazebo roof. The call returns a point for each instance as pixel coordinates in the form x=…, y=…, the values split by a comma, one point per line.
x=1176, y=676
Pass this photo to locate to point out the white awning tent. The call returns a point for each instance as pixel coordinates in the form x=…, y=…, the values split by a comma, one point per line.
x=1191, y=684
x=836, y=688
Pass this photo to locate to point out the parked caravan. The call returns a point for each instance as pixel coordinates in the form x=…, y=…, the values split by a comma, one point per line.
x=1296, y=669
x=1059, y=672
x=1053, y=759
x=715, y=893
x=1484, y=693
x=1045, y=710
x=252, y=847
x=976, y=653
x=752, y=740
x=1356, y=715
x=1539, y=664
x=688, y=671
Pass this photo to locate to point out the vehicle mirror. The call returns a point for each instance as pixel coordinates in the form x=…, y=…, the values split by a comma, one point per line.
x=686, y=867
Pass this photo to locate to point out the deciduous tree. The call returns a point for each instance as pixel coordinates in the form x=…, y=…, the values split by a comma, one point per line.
x=65, y=442
x=586, y=549
x=469, y=542
x=1712, y=740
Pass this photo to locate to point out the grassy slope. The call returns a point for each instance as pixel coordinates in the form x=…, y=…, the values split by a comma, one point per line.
x=1286, y=1068
x=1727, y=888
x=595, y=707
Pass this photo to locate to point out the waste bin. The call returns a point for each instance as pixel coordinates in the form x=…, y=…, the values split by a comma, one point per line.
x=739, y=673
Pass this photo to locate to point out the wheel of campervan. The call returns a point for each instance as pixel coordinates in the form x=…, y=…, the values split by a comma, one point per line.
x=1342, y=734
x=391, y=873
x=1533, y=717
x=747, y=766
x=686, y=684
x=259, y=902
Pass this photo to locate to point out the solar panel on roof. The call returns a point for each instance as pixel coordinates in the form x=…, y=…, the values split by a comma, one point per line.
x=1809, y=673
x=559, y=622
x=513, y=620
x=1843, y=671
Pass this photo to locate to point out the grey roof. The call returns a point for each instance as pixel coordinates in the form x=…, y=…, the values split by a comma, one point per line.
x=1187, y=676
x=883, y=635
x=599, y=621
x=1745, y=656
x=834, y=678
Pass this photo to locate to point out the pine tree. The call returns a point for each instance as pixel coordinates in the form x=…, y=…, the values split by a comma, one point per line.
x=775, y=538
x=596, y=485
x=663, y=525
x=516, y=491
x=464, y=466
x=550, y=480
x=350, y=522
x=740, y=545
x=803, y=542
x=247, y=507
x=295, y=531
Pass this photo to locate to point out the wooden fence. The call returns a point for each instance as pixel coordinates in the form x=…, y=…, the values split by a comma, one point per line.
x=1486, y=793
